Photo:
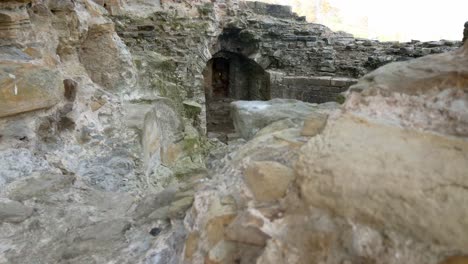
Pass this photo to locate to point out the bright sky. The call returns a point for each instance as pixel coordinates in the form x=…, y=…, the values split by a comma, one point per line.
x=401, y=20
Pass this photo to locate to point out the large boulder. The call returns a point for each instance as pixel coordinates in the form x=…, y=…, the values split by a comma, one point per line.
x=249, y=117
x=26, y=87
x=397, y=159
x=429, y=93
x=389, y=177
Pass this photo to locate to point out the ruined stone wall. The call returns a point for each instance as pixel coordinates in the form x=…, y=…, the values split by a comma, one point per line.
x=287, y=45
x=102, y=115
x=323, y=62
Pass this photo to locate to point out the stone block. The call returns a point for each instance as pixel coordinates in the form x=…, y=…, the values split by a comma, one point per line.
x=307, y=81
x=314, y=124
x=342, y=81
x=27, y=87
x=249, y=117
x=268, y=180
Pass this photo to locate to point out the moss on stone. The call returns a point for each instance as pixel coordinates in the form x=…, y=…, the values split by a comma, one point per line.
x=205, y=9
x=340, y=99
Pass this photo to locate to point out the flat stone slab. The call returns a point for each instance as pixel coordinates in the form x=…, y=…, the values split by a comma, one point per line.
x=26, y=87
x=249, y=117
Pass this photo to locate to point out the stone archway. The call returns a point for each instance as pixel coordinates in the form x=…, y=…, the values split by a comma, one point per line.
x=228, y=77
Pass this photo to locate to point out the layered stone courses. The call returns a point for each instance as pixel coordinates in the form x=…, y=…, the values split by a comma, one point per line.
x=301, y=58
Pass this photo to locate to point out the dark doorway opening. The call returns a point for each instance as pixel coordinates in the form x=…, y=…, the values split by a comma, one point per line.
x=229, y=77
x=220, y=78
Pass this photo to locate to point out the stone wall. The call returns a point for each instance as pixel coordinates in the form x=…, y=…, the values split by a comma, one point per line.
x=315, y=89
x=102, y=119
x=283, y=44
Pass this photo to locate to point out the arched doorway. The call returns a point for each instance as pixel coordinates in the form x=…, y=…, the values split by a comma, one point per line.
x=229, y=77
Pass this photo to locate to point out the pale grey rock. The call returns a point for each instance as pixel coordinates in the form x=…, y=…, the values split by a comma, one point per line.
x=151, y=203
x=40, y=184
x=109, y=173
x=18, y=163
x=14, y=212
x=135, y=114
x=251, y=116
x=162, y=143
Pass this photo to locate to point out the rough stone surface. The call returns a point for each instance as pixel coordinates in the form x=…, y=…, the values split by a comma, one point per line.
x=430, y=93
x=14, y=212
x=370, y=185
x=249, y=117
x=102, y=143
x=106, y=59
x=25, y=87
x=413, y=179
x=268, y=181
x=38, y=186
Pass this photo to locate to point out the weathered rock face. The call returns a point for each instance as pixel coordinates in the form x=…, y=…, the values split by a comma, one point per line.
x=26, y=87
x=303, y=61
x=421, y=170
x=249, y=117
x=268, y=181
x=15, y=25
x=106, y=59
x=398, y=182
x=102, y=123
x=432, y=88
x=242, y=218
x=369, y=184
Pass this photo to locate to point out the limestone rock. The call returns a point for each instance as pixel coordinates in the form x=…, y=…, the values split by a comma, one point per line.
x=15, y=24
x=251, y=116
x=216, y=228
x=162, y=139
x=429, y=93
x=14, y=212
x=40, y=184
x=91, y=164
x=109, y=172
x=413, y=173
x=314, y=124
x=223, y=252
x=245, y=228
x=278, y=126
x=416, y=77
x=18, y=163
x=163, y=127
x=268, y=180
x=106, y=59
x=26, y=87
